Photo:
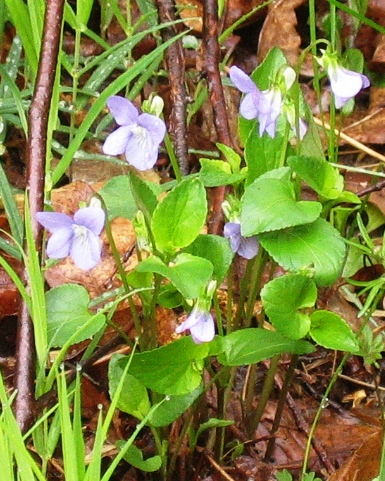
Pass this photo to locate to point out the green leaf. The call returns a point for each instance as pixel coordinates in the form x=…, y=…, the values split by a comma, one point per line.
x=232, y=157
x=169, y=296
x=133, y=398
x=249, y=346
x=189, y=274
x=174, y=369
x=218, y=172
x=315, y=246
x=170, y=410
x=67, y=313
x=311, y=144
x=267, y=70
x=262, y=154
x=282, y=300
x=215, y=249
x=319, y=174
x=144, y=197
x=270, y=204
x=134, y=456
x=118, y=198
x=331, y=331
x=178, y=219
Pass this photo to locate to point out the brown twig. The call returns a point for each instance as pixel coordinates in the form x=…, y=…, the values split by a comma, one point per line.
x=36, y=154
x=212, y=55
x=176, y=68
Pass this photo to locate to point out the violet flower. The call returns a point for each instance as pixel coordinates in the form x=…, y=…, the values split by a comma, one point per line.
x=200, y=323
x=249, y=107
x=266, y=105
x=138, y=136
x=246, y=247
x=77, y=237
x=345, y=84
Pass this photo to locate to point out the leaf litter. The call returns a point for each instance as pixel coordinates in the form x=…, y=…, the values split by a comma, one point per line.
x=350, y=438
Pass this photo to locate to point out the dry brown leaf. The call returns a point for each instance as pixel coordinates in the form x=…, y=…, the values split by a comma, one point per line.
x=364, y=464
x=192, y=12
x=279, y=30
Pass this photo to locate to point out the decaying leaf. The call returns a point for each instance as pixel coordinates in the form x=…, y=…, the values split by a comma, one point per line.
x=279, y=30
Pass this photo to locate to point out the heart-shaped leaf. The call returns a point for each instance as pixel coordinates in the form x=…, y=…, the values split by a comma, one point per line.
x=317, y=246
x=270, y=204
x=178, y=219
x=188, y=273
x=249, y=346
x=319, y=174
x=283, y=299
x=331, y=331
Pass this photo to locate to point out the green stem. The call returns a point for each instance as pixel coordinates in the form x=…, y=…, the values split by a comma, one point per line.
x=281, y=404
x=244, y=284
x=172, y=157
x=254, y=418
x=255, y=284
x=321, y=407
x=122, y=274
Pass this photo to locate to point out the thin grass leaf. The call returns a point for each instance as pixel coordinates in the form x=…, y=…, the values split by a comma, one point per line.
x=38, y=309
x=19, y=102
x=13, y=215
x=94, y=468
x=130, y=441
x=26, y=466
x=67, y=436
x=78, y=429
x=10, y=248
x=19, y=14
x=16, y=280
x=36, y=10
x=11, y=65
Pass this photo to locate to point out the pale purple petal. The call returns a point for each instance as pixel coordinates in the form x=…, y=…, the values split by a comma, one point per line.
x=249, y=106
x=59, y=244
x=123, y=111
x=303, y=128
x=345, y=84
x=53, y=221
x=201, y=326
x=271, y=129
x=232, y=231
x=116, y=142
x=204, y=331
x=270, y=106
x=91, y=217
x=242, y=81
x=86, y=249
x=154, y=125
x=191, y=320
x=248, y=247
x=140, y=150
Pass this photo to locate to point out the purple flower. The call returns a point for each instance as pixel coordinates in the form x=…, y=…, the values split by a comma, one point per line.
x=266, y=105
x=249, y=108
x=138, y=136
x=201, y=326
x=246, y=247
x=77, y=237
x=270, y=105
x=345, y=84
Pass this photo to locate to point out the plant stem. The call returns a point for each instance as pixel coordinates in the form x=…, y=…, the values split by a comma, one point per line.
x=254, y=418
